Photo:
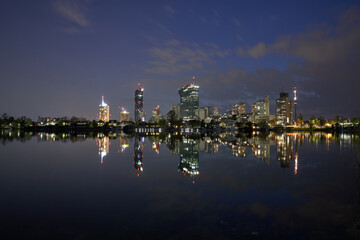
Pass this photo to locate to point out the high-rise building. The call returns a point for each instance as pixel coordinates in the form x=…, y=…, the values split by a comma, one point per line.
x=213, y=111
x=261, y=107
x=104, y=111
x=139, y=105
x=239, y=108
x=156, y=114
x=189, y=101
x=295, y=103
x=176, y=109
x=124, y=115
x=284, y=109
x=201, y=113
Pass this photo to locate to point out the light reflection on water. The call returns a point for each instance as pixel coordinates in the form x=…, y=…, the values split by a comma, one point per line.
x=287, y=186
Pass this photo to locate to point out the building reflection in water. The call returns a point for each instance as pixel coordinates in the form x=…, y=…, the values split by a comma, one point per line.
x=189, y=148
x=156, y=144
x=189, y=157
x=284, y=149
x=138, y=153
x=124, y=143
x=103, y=144
x=261, y=148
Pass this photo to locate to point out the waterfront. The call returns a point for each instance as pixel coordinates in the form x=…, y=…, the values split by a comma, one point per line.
x=288, y=186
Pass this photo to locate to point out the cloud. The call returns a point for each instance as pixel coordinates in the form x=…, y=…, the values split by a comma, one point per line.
x=322, y=44
x=323, y=66
x=178, y=57
x=257, y=51
x=237, y=22
x=216, y=13
x=169, y=9
x=240, y=52
x=71, y=30
x=74, y=11
x=160, y=26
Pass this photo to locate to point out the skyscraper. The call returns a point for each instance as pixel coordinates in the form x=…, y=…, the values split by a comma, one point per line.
x=295, y=103
x=189, y=101
x=261, y=107
x=284, y=109
x=104, y=111
x=139, y=105
x=176, y=109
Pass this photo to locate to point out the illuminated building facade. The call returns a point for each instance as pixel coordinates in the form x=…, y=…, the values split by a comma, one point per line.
x=284, y=109
x=156, y=114
x=104, y=111
x=213, y=111
x=201, y=113
x=124, y=115
x=189, y=101
x=295, y=103
x=261, y=107
x=139, y=105
x=176, y=109
x=238, y=109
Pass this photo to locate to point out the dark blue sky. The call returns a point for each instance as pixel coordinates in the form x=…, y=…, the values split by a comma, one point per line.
x=59, y=57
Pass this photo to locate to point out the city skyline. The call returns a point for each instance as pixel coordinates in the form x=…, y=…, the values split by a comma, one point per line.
x=59, y=57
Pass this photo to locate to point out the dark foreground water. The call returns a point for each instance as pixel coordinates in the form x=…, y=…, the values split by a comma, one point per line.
x=298, y=186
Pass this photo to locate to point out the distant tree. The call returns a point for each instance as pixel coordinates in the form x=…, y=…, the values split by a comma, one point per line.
x=172, y=117
x=262, y=123
x=355, y=121
x=313, y=120
x=74, y=120
x=194, y=123
x=4, y=116
x=25, y=121
x=163, y=123
x=321, y=121
x=300, y=119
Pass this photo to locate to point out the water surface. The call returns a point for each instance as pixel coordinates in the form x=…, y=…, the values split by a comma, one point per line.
x=289, y=186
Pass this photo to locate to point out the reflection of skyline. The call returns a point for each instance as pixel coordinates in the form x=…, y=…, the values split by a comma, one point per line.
x=189, y=157
x=286, y=145
x=156, y=144
x=284, y=149
x=124, y=143
x=138, y=153
x=103, y=144
x=261, y=148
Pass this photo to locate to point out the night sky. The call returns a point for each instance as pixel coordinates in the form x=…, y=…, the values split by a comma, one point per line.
x=57, y=58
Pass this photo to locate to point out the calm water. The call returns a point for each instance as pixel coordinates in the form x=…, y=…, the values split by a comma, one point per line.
x=295, y=186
